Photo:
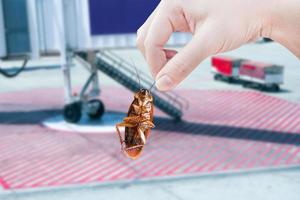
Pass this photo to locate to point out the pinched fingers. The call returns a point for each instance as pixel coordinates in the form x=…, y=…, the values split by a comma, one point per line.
x=185, y=61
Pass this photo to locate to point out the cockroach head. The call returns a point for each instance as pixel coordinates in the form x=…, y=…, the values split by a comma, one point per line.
x=143, y=94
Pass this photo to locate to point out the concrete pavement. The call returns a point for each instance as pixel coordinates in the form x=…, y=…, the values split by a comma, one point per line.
x=264, y=185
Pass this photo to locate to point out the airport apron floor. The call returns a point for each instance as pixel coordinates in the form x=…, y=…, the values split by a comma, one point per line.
x=222, y=131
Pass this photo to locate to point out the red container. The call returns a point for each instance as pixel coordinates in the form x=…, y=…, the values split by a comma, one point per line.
x=258, y=69
x=226, y=65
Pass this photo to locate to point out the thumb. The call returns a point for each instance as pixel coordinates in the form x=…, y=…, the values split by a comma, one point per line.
x=184, y=62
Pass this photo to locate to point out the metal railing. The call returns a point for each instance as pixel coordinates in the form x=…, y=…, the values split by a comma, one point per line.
x=170, y=100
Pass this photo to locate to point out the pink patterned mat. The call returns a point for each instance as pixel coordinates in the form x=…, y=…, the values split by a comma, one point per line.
x=222, y=131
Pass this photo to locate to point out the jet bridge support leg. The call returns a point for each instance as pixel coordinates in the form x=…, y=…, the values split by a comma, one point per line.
x=86, y=101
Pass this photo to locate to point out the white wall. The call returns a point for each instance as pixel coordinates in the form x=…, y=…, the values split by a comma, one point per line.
x=2, y=33
x=77, y=24
x=49, y=26
x=33, y=29
x=60, y=29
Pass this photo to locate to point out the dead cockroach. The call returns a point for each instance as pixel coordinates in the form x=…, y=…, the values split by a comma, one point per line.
x=138, y=123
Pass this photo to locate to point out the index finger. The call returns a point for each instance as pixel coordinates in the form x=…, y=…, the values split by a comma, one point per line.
x=158, y=35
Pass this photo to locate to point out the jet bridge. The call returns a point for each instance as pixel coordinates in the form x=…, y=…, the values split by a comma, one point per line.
x=124, y=73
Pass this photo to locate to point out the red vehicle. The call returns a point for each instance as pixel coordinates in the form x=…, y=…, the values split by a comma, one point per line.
x=258, y=74
x=226, y=68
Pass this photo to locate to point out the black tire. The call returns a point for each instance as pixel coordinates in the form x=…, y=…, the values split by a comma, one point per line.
x=217, y=77
x=99, y=111
x=72, y=112
x=262, y=87
x=230, y=80
x=275, y=88
x=245, y=85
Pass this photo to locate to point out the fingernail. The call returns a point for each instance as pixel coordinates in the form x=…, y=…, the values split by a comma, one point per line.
x=164, y=83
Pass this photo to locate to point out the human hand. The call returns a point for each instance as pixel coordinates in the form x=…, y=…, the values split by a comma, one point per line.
x=217, y=26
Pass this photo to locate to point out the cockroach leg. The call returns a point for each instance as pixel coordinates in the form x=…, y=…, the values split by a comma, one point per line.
x=122, y=124
x=149, y=124
x=137, y=109
x=142, y=135
x=133, y=119
x=134, y=147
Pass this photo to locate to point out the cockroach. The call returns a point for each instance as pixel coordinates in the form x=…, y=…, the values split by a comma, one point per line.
x=138, y=123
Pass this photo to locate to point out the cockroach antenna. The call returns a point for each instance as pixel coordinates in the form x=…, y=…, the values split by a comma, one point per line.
x=137, y=73
x=152, y=85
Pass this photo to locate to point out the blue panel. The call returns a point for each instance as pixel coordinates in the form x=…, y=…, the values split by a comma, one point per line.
x=119, y=16
x=16, y=26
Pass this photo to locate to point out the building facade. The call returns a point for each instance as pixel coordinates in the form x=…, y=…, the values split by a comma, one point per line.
x=35, y=27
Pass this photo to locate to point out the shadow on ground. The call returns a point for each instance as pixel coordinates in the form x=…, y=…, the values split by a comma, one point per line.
x=228, y=131
x=166, y=124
